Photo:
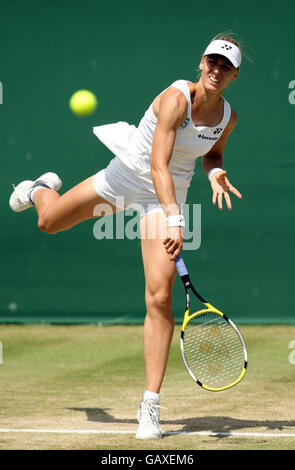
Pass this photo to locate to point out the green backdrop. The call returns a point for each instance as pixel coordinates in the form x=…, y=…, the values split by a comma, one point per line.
x=126, y=53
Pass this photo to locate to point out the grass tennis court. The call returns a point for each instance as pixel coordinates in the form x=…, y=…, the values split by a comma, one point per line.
x=91, y=378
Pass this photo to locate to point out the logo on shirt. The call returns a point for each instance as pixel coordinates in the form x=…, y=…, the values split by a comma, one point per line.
x=206, y=137
x=215, y=132
x=187, y=120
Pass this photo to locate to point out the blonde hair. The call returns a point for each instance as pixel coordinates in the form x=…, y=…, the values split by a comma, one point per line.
x=238, y=41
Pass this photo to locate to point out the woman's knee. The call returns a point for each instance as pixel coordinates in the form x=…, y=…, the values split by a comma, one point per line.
x=47, y=225
x=159, y=299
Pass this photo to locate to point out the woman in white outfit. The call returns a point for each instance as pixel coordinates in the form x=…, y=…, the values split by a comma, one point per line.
x=152, y=170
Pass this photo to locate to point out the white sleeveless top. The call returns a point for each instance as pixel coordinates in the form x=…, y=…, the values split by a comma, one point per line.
x=133, y=145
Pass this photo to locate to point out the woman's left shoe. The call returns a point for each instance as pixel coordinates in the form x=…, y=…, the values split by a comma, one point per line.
x=20, y=199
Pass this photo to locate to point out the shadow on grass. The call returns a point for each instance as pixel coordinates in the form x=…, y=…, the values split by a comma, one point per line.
x=222, y=424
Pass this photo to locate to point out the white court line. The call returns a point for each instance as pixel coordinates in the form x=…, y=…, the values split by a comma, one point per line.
x=165, y=433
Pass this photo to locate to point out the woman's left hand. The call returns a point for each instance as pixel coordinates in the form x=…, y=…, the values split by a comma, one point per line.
x=220, y=187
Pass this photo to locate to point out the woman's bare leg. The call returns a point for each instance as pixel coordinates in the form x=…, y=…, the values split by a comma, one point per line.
x=160, y=275
x=57, y=213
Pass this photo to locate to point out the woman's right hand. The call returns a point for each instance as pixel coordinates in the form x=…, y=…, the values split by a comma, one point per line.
x=174, y=242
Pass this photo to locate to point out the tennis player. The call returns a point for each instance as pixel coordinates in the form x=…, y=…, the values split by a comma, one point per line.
x=152, y=169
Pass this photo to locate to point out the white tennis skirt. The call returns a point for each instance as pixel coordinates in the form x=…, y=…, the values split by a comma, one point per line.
x=126, y=182
x=120, y=187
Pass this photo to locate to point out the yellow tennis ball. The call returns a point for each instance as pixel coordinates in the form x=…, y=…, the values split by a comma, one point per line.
x=83, y=103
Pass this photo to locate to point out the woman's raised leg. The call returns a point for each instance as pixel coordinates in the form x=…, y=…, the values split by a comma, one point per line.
x=57, y=213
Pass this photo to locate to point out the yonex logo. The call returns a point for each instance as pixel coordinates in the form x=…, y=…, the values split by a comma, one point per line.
x=217, y=130
x=226, y=46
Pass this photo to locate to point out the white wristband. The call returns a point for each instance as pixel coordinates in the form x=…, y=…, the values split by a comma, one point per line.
x=176, y=221
x=214, y=170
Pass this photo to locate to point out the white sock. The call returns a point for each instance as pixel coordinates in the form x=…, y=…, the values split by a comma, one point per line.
x=41, y=186
x=151, y=396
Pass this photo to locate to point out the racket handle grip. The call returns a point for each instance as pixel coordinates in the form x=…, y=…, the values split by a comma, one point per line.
x=181, y=268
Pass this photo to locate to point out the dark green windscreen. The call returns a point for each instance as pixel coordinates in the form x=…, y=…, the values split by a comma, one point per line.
x=126, y=53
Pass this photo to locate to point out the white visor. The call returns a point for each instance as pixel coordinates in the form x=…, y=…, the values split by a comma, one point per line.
x=227, y=49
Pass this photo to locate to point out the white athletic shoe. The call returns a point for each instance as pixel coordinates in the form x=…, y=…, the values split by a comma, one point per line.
x=148, y=418
x=20, y=198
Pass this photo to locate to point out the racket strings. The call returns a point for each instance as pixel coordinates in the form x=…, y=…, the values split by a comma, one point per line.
x=213, y=350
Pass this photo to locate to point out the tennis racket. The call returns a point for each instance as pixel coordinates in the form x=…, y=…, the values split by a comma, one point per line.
x=212, y=347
